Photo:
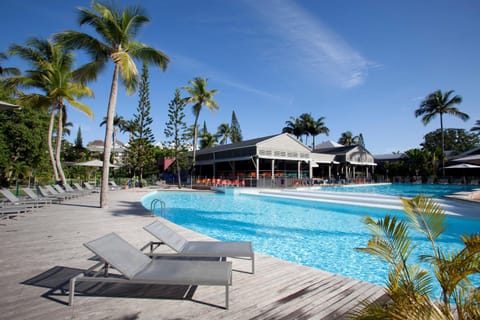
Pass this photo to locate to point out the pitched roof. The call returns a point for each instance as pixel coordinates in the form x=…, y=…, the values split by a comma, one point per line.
x=327, y=145
x=237, y=145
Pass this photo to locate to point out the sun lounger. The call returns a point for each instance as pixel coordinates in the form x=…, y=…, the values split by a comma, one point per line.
x=114, y=186
x=90, y=187
x=56, y=193
x=46, y=194
x=30, y=193
x=60, y=190
x=14, y=200
x=137, y=268
x=70, y=190
x=79, y=188
x=239, y=249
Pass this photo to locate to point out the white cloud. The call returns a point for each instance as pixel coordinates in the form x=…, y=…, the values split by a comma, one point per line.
x=309, y=43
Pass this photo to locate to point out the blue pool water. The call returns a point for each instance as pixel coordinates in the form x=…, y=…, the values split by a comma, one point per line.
x=405, y=190
x=314, y=234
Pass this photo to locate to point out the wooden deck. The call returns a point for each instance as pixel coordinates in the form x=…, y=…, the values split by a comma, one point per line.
x=39, y=252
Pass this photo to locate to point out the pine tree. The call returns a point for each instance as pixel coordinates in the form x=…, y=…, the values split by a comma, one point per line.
x=79, y=140
x=140, y=150
x=236, y=132
x=176, y=130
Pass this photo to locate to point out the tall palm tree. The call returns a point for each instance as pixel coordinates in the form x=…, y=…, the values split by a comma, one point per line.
x=118, y=124
x=438, y=103
x=117, y=30
x=318, y=127
x=199, y=96
x=294, y=126
x=52, y=73
x=6, y=71
x=347, y=138
x=224, y=133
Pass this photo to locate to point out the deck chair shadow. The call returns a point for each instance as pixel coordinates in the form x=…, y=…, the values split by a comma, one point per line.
x=134, y=267
x=183, y=247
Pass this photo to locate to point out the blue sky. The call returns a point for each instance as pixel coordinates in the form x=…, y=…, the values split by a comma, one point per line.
x=363, y=65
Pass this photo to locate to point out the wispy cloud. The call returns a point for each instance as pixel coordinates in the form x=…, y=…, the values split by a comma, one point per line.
x=213, y=73
x=308, y=42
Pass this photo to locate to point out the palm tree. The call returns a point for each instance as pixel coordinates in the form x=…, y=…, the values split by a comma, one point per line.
x=116, y=30
x=52, y=73
x=208, y=140
x=199, y=97
x=306, y=121
x=347, y=138
x=294, y=126
x=224, y=133
x=5, y=71
x=318, y=127
x=409, y=285
x=476, y=127
x=438, y=103
x=118, y=124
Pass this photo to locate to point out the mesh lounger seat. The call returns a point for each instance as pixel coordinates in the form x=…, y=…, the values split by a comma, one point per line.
x=14, y=200
x=137, y=268
x=238, y=249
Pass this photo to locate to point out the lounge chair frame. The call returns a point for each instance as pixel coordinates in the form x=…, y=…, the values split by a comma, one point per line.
x=186, y=248
x=99, y=272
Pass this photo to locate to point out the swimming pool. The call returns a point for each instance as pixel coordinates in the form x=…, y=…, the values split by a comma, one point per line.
x=314, y=234
x=405, y=190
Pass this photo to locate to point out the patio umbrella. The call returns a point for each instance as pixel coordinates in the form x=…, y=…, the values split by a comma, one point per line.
x=463, y=166
x=8, y=106
x=472, y=159
x=94, y=163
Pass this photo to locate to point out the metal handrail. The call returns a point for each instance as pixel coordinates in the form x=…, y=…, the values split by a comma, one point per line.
x=163, y=207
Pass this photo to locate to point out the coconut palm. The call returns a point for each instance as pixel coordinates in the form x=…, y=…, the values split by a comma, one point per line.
x=199, y=97
x=318, y=127
x=52, y=73
x=7, y=71
x=117, y=30
x=438, y=103
x=224, y=133
x=294, y=126
x=476, y=127
x=306, y=121
x=347, y=139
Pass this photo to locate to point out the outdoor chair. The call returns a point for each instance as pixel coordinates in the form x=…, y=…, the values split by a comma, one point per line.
x=79, y=188
x=48, y=194
x=15, y=201
x=58, y=194
x=30, y=193
x=114, y=186
x=60, y=190
x=137, y=268
x=183, y=247
x=90, y=187
x=70, y=190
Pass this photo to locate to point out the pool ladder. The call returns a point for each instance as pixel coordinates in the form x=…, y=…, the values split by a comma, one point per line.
x=157, y=203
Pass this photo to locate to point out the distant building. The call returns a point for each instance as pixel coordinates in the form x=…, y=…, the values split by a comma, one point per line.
x=118, y=150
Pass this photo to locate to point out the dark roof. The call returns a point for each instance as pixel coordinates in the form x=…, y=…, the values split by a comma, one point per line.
x=337, y=150
x=390, y=156
x=237, y=145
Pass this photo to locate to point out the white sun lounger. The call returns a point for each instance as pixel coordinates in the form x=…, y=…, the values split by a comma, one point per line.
x=238, y=249
x=137, y=268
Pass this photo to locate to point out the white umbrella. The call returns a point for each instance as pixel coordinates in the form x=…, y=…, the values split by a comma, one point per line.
x=94, y=163
x=8, y=106
x=463, y=166
x=473, y=158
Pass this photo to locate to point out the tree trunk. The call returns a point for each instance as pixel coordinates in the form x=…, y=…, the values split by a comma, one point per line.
x=50, y=148
x=107, y=143
x=194, y=145
x=179, y=178
x=59, y=144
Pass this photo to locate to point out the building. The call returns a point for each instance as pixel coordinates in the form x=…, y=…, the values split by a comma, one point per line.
x=280, y=158
x=118, y=150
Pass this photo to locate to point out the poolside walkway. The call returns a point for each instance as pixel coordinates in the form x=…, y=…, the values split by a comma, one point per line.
x=39, y=252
